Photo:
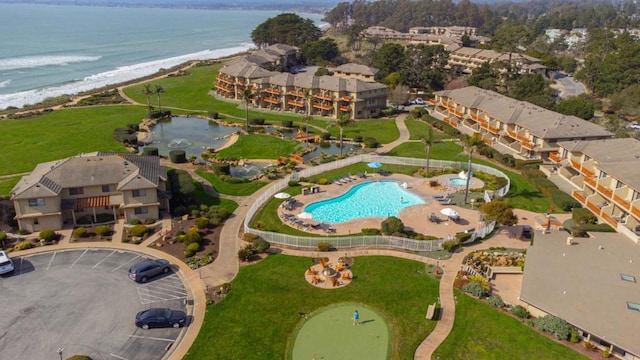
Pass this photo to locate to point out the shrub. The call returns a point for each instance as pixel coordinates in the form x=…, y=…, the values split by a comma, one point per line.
x=519, y=311
x=79, y=357
x=581, y=230
x=3, y=238
x=583, y=216
x=323, y=181
x=246, y=253
x=23, y=245
x=191, y=249
x=202, y=222
x=463, y=237
x=81, y=232
x=496, y=301
x=392, y=225
x=553, y=324
x=48, y=235
x=192, y=236
x=370, y=231
x=134, y=221
x=371, y=143
x=449, y=245
x=249, y=237
x=287, y=123
x=358, y=138
x=293, y=183
x=214, y=115
x=324, y=246
x=256, y=121
x=606, y=353
x=325, y=136
x=139, y=230
x=563, y=200
x=178, y=156
x=474, y=288
x=261, y=245
x=150, y=150
x=103, y=230
x=573, y=337
x=221, y=168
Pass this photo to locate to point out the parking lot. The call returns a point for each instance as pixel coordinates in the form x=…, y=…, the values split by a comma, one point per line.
x=82, y=301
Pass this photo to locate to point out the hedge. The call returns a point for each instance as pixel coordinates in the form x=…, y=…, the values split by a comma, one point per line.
x=178, y=156
x=139, y=230
x=287, y=123
x=563, y=200
x=583, y=216
x=150, y=150
x=256, y=121
x=48, y=235
x=221, y=168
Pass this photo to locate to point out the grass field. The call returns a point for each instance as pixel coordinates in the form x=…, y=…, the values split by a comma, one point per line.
x=258, y=147
x=241, y=189
x=418, y=130
x=482, y=332
x=257, y=320
x=6, y=184
x=62, y=133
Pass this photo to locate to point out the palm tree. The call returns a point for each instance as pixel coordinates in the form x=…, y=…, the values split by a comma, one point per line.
x=146, y=90
x=343, y=120
x=159, y=89
x=308, y=95
x=247, y=96
x=428, y=140
x=471, y=144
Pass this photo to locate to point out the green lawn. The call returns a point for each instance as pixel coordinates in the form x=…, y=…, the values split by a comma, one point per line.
x=6, y=184
x=205, y=199
x=222, y=187
x=482, y=332
x=259, y=147
x=418, y=130
x=383, y=130
x=267, y=218
x=62, y=133
x=257, y=320
x=440, y=151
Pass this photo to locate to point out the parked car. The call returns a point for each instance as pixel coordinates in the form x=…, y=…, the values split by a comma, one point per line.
x=420, y=101
x=526, y=232
x=6, y=265
x=145, y=269
x=160, y=317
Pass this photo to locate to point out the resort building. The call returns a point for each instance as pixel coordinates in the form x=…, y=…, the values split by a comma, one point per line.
x=592, y=283
x=274, y=57
x=78, y=189
x=466, y=59
x=605, y=177
x=451, y=31
x=356, y=71
x=511, y=126
x=304, y=93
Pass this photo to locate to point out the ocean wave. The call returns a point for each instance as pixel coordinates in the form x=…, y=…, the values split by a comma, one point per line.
x=119, y=75
x=28, y=62
x=5, y=83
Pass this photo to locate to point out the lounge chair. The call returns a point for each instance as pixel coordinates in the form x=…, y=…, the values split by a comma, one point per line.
x=337, y=182
x=434, y=218
x=354, y=178
x=439, y=196
x=346, y=179
x=445, y=202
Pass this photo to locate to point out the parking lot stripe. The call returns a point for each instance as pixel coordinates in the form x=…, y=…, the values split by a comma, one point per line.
x=151, y=338
x=78, y=259
x=118, y=357
x=21, y=259
x=105, y=258
x=137, y=256
x=52, y=257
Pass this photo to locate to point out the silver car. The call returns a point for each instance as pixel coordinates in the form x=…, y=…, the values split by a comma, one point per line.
x=142, y=271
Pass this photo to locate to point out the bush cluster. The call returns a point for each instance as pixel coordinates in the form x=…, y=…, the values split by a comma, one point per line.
x=48, y=235
x=178, y=156
x=256, y=121
x=127, y=136
x=442, y=126
x=150, y=150
x=23, y=245
x=287, y=123
x=139, y=230
x=324, y=246
x=191, y=249
x=392, y=225
x=261, y=245
x=520, y=311
x=581, y=230
x=371, y=143
x=554, y=325
x=103, y=230
x=214, y=115
x=474, y=288
x=370, y=231
x=583, y=216
x=549, y=190
x=191, y=236
x=81, y=232
x=496, y=301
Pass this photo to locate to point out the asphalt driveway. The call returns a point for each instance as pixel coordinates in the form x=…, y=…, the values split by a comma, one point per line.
x=81, y=301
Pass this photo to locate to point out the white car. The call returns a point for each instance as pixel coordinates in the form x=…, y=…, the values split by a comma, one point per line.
x=635, y=126
x=6, y=265
x=419, y=101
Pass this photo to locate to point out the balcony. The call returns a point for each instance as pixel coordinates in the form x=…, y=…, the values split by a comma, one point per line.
x=575, y=164
x=587, y=172
x=610, y=220
x=487, y=140
x=624, y=204
x=527, y=145
x=605, y=191
x=296, y=103
x=296, y=93
x=578, y=195
x=458, y=113
x=345, y=108
x=240, y=82
x=493, y=130
x=594, y=208
x=512, y=134
x=450, y=122
x=432, y=101
x=273, y=91
x=328, y=97
x=591, y=181
x=473, y=116
x=224, y=87
x=555, y=157
x=224, y=79
x=322, y=106
x=271, y=100
x=348, y=98
x=635, y=210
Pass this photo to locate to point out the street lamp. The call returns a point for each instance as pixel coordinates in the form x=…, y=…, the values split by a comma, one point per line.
x=60, y=352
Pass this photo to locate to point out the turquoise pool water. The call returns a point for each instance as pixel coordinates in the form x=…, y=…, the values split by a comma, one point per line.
x=458, y=182
x=372, y=199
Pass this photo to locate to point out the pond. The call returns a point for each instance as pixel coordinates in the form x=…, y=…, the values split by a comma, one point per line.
x=331, y=148
x=190, y=134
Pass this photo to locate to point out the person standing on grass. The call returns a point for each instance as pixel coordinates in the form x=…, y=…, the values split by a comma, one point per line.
x=356, y=317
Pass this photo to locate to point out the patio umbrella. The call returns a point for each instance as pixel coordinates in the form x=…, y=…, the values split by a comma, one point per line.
x=449, y=212
x=282, y=195
x=305, y=215
x=374, y=165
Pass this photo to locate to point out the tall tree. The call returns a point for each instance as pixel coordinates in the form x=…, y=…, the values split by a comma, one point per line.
x=147, y=91
x=428, y=139
x=247, y=96
x=158, y=90
x=286, y=28
x=344, y=119
x=471, y=144
x=388, y=59
x=399, y=95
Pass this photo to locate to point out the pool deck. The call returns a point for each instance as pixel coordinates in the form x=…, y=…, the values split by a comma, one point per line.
x=414, y=217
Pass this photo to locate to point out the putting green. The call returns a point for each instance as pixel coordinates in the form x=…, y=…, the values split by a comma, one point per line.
x=330, y=334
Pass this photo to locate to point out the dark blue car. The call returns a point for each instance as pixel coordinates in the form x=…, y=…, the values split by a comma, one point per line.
x=160, y=317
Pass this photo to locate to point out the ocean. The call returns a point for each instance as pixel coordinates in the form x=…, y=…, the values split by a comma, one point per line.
x=52, y=50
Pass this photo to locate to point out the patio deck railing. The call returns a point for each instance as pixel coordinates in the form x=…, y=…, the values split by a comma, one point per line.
x=346, y=242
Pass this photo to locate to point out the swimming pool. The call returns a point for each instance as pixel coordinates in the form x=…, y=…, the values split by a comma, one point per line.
x=372, y=199
x=458, y=181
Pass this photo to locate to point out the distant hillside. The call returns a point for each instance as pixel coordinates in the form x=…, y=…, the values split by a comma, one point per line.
x=300, y=5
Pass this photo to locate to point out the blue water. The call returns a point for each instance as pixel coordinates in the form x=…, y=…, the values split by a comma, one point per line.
x=458, y=182
x=54, y=50
x=372, y=199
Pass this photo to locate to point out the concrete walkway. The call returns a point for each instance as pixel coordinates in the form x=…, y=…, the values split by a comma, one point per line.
x=402, y=138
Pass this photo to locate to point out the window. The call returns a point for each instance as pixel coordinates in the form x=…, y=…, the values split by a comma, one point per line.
x=602, y=175
x=626, y=277
x=140, y=211
x=108, y=188
x=36, y=202
x=586, y=158
x=76, y=191
x=35, y=221
x=633, y=306
x=619, y=184
x=139, y=193
x=636, y=195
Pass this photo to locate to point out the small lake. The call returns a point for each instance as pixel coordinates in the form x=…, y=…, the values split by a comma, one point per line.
x=190, y=134
x=331, y=148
